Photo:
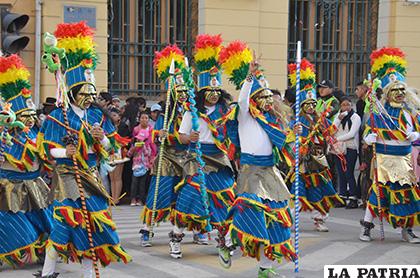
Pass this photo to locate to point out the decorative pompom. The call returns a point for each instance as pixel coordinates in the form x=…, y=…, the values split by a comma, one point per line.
x=235, y=59
x=12, y=61
x=163, y=60
x=387, y=60
x=206, y=51
x=77, y=41
x=14, y=76
x=12, y=70
x=72, y=30
x=307, y=73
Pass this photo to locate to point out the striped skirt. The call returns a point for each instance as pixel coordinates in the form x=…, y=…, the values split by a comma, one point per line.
x=400, y=204
x=20, y=241
x=69, y=235
x=261, y=223
x=165, y=201
x=190, y=211
x=316, y=192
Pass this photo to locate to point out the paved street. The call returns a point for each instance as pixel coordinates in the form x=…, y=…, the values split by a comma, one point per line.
x=339, y=246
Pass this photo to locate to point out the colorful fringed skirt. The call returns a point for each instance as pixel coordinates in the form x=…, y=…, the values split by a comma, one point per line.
x=261, y=223
x=190, y=210
x=172, y=163
x=24, y=218
x=165, y=201
x=69, y=235
x=399, y=192
x=316, y=191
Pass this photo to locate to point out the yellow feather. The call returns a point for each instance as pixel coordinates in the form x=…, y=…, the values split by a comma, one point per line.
x=13, y=74
x=207, y=53
x=75, y=44
x=165, y=63
x=380, y=62
x=236, y=60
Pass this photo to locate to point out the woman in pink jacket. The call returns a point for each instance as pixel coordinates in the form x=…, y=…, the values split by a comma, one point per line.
x=143, y=151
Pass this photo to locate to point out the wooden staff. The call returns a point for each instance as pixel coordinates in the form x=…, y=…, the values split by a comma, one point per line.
x=374, y=159
x=162, y=144
x=71, y=138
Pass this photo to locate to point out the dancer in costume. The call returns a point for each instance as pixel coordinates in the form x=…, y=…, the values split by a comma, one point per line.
x=316, y=190
x=174, y=151
x=24, y=217
x=261, y=219
x=392, y=128
x=212, y=104
x=80, y=130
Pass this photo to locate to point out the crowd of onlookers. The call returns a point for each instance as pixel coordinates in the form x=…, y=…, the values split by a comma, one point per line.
x=129, y=172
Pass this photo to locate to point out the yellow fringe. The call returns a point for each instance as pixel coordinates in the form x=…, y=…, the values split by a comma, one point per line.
x=97, y=217
x=389, y=216
x=23, y=258
x=250, y=240
x=66, y=251
x=145, y=215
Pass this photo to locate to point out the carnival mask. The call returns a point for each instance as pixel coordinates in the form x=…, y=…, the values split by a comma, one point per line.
x=264, y=100
x=212, y=96
x=181, y=95
x=397, y=94
x=28, y=118
x=309, y=107
x=86, y=96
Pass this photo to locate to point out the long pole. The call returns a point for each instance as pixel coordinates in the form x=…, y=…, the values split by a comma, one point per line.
x=162, y=145
x=297, y=176
x=372, y=99
x=82, y=197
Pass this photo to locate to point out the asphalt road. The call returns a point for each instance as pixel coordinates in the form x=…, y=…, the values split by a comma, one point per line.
x=339, y=246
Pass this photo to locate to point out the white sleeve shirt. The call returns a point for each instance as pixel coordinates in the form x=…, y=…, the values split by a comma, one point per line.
x=206, y=136
x=254, y=140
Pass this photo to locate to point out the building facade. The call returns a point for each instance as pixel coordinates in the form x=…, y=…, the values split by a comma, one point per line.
x=337, y=36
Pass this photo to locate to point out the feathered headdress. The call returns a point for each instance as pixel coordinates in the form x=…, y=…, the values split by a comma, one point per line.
x=389, y=65
x=163, y=59
x=307, y=79
x=81, y=58
x=235, y=59
x=206, y=56
x=14, y=83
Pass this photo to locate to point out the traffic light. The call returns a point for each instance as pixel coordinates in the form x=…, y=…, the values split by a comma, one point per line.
x=11, y=24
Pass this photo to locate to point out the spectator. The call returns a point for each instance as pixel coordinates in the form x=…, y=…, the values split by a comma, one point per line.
x=141, y=103
x=327, y=99
x=338, y=94
x=48, y=105
x=130, y=115
x=348, y=123
x=365, y=151
x=290, y=98
x=116, y=175
x=361, y=91
x=155, y=111
x=116, y=102
x=143, y=152
x=104, y=99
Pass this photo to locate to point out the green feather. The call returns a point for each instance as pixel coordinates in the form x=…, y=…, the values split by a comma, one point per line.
x=239, y=75
x=73, y=59
x=10, y=90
